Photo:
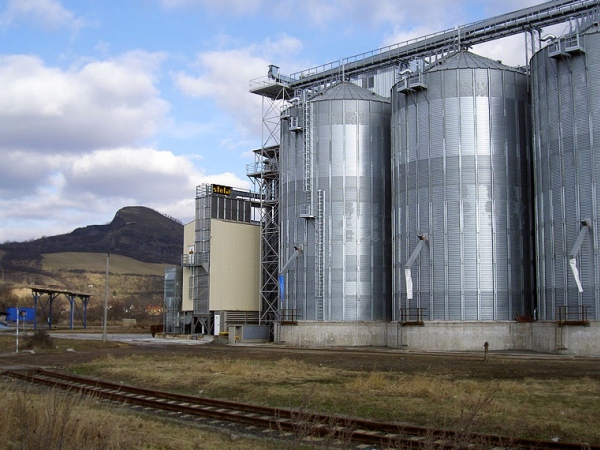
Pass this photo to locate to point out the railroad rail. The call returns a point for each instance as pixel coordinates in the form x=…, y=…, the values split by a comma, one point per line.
x=344, y=429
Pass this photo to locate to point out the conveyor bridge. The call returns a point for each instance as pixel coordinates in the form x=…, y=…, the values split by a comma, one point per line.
x=528, y=19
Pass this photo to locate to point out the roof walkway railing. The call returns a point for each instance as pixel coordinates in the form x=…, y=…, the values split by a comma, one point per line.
x=545, y=14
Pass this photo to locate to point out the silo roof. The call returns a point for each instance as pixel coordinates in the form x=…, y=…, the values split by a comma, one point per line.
x=349, y=91
x=468, y=60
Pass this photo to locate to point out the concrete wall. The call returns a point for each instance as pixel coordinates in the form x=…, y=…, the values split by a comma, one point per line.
x=334, y=334
x=464, y=336
x=445, y=336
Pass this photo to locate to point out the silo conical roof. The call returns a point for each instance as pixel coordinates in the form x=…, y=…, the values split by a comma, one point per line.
x=349, y=91
x=468, y=60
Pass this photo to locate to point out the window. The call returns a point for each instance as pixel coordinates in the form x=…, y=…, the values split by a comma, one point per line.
x=368, y=82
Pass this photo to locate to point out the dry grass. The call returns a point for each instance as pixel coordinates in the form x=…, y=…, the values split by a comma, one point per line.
x=34, y=420
x=526, y=408
x=241, y=379
x=96, y=262
x=567, y=408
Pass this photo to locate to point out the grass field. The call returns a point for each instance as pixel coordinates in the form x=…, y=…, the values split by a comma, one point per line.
x=541, y=409
x=534, y=407
x=34, y=419
x=96, y=262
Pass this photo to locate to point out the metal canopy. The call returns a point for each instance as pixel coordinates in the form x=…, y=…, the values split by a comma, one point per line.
x=52, y=293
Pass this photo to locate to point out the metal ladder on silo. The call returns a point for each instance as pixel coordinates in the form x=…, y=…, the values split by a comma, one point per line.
x=308, y=185
x=320, y=255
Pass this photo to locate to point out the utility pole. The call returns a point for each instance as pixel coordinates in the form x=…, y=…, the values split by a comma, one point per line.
x=104, y=332
x=104, y=337
x=17, y=308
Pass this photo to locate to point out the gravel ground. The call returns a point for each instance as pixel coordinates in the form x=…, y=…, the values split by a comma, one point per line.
x=500, y=365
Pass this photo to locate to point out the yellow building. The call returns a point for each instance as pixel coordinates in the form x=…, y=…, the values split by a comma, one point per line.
x=220, y=264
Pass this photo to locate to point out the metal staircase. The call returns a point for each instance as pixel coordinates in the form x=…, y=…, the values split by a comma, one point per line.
x=565, y=315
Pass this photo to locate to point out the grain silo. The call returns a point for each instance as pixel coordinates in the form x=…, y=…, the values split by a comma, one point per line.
x=566, y=117
x=461, y=179
x=334, y=206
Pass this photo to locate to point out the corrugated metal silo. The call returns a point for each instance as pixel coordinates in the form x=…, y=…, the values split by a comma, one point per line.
x=566, y=116
x=461, y=180
x=334, y=206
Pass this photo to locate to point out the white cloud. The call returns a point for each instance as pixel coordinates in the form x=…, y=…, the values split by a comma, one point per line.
x=283, y=46
x=402, y=35
x=510, y=50
x=496, y=8
x=70, y=141
x=375, y=15
x=20, y=173
x=64, y=192
x=101, y=104
x=349, y=15
x=224, y=76
x=141, y=174
x=48, y=14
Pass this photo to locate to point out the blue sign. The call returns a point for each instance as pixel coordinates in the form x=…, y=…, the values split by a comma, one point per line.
x=281, y=288
x=26, y=314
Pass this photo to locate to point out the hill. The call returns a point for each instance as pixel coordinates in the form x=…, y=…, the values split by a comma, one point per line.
x=140, y=241
x=136, y=232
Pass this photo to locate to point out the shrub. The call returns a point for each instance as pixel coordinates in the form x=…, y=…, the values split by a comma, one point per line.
x=39, y=339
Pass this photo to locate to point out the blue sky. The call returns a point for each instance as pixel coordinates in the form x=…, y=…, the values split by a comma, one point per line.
x=113, y=103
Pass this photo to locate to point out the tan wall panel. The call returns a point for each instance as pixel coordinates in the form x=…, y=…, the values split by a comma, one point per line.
x=189, y=236
x=234, y=266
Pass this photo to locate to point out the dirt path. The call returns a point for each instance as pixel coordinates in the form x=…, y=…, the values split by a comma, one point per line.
x=454, y=366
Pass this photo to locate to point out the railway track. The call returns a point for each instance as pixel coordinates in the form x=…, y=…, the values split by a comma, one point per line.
x=298, y=422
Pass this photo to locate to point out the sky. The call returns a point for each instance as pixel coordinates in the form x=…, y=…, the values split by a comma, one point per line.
x=113, y=103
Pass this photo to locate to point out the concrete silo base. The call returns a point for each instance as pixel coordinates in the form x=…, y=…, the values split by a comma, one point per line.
x=544, y=337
